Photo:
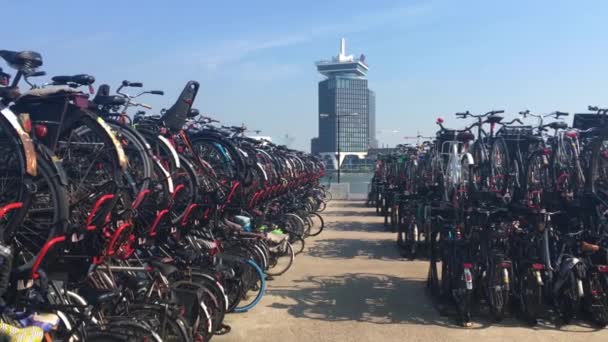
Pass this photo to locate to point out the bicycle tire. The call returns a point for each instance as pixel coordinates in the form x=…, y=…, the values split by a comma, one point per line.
x=317, y=228
x=260, y=293
x=289, y=254
x=37, y=227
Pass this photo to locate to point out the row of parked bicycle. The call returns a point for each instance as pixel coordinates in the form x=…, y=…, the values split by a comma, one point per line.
x=512, y=217
x=122, y=227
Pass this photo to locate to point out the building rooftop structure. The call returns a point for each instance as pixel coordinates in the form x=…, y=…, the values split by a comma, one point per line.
x=343, y=64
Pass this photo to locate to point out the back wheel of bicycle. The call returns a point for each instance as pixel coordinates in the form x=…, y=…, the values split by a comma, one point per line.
x=186, y=189
x=168, y=327
x=48, y=214
x=94, y=163
x=121, y=329
x=208, y=313
x=16, y=186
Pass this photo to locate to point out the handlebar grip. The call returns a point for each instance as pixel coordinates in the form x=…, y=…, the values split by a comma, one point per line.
x=561, y=114
x=145, y=106
x=126, y=83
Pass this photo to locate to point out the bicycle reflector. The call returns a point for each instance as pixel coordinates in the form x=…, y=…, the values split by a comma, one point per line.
x=538, y=267
x=26, y=122
x=5, y=79
x=41, y=131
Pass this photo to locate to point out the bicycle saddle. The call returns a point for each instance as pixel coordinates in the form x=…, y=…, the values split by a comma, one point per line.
x=103, y=97
x=534, y=138
x=465, y=137
x=23, y=60
x=166, y=269
x=558, y=125
x=493, y=119
x=98, y=297
x=81, y=79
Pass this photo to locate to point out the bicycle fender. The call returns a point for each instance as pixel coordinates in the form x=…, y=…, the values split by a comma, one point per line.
x=470, y=159
x=566, y=267
x=27, y=146
x=58, y=169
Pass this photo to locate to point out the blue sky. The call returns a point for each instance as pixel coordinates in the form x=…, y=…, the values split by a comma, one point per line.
x=254, y=59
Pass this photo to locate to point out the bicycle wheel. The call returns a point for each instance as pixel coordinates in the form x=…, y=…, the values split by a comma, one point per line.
x=478, y=172
x=322, y=206
x=209, y=313
x=123, y=330
x=536, y=180
x=15, y=184
x=93, y=167
x=48, y=214
x=168, y=327
x=564, y=173
x=281, y=259
x=599, y=167
x=219, y=293
x=499, y=167
x=140, y=169
x=317, y=224
x=254, y=283
x=186, y=189
x=295, y=222
x=328, y=196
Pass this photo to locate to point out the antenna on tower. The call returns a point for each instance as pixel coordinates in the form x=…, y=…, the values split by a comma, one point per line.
x=342, y=57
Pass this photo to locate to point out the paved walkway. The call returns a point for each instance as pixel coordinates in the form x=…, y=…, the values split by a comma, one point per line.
x=352, y=285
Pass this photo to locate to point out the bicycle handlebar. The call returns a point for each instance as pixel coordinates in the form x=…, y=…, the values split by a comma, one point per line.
x=126, y=83
x=600, y=111
x=467, y=114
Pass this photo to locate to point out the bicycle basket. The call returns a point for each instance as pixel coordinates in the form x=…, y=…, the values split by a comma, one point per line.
x=515, y=132
x=588, y=120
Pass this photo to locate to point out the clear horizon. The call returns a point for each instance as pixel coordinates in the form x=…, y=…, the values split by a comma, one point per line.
x=255, y=61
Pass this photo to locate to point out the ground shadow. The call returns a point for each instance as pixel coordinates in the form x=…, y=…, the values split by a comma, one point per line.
x=352, y=226
x=351, y=248
x=348, y=204
x=349, y=213
x=383, y=299
x=372, y=298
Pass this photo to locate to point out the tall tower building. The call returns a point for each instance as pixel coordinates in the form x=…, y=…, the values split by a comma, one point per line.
x=347, y=108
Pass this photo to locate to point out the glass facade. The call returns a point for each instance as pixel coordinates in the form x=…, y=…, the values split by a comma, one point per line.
x=346, y=115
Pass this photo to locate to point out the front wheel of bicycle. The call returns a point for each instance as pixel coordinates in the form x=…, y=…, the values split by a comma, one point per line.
x=254, y=283
x=281, y=259
x=318, y=224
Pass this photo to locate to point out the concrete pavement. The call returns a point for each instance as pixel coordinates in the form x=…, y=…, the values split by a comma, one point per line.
x=351, y=285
